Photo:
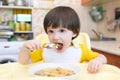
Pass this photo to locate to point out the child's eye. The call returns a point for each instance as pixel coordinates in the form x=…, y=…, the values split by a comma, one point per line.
x=50, y=31
x=62, y=30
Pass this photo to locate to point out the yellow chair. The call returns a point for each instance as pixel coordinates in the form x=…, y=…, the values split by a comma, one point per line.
x=82, y=38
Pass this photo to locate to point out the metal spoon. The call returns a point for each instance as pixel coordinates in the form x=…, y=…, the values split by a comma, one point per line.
x=51, y=46
x=46, y=45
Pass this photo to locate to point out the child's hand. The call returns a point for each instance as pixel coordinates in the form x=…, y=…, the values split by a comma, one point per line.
x=32, y=45
x=94, y=66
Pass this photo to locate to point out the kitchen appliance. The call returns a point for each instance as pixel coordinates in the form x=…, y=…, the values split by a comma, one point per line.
x=96, y=14
x=9, y=51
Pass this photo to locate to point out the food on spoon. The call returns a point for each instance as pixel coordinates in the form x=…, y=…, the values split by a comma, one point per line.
x=53, y=45
x=55, y=72
x=59, y=46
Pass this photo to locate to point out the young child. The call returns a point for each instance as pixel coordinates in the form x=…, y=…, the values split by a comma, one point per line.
x=62, y=25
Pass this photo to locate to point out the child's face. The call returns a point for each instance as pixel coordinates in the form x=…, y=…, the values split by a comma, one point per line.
x=61, y=36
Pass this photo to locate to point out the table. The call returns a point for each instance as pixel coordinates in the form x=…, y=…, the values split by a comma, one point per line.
x=17, y=71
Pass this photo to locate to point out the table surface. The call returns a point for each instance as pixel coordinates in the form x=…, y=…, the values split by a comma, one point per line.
x=16, y=71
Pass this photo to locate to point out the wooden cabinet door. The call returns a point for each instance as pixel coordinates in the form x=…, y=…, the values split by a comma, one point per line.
x=111, y=58
x=85, y=1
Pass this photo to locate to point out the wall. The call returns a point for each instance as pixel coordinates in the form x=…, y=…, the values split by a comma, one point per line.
x=86, y=22
x=39, y=12
x=83, y=11
x=107, y=25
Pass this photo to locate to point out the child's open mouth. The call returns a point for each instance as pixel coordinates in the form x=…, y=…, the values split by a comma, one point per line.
x=59, y=46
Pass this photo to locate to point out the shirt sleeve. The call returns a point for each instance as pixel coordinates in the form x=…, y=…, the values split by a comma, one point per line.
x=36, y=55
x=87, y=54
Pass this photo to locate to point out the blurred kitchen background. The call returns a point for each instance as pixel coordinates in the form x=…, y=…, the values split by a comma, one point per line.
x=22, y=20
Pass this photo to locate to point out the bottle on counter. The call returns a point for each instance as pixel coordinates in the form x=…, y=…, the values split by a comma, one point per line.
x=11, y=24
x=27, y=27
x=22, y=26
x=19, y=3
x=28, y=3
x=17, y=26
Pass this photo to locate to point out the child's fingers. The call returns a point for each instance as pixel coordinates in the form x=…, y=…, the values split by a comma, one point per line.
x=29, y=44
x=90, y=68
x=94, y=67
x=32, y=45
x=38, y=45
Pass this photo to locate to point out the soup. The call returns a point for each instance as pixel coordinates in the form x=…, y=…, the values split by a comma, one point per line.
x=55, y=72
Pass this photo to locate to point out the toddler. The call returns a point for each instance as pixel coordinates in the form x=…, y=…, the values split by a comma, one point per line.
x=62, y=25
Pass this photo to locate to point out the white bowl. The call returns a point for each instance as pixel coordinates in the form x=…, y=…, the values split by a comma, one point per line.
x=72, y=67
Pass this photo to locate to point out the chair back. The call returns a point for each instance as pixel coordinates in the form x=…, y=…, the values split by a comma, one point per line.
x=83, y=38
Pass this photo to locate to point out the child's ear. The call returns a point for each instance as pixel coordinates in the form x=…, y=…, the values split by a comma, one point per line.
x=74, y=35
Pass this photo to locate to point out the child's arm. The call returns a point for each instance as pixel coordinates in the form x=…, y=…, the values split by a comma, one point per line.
x=96, y=63
x=24, y=57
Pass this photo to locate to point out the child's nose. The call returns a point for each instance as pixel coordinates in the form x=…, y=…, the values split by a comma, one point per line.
x=56, y=36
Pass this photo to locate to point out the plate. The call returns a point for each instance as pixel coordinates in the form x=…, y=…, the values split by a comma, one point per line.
x=71, y=67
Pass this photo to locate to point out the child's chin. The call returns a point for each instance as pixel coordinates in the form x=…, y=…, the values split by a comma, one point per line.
x=61, y=50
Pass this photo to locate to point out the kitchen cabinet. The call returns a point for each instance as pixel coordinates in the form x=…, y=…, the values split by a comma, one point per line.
x=85, y=1
x=19, y=18
x=94, y=2
x=111, y=58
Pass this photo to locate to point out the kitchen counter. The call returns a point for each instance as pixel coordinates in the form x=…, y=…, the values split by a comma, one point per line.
x=16, y=71
x=112, y=47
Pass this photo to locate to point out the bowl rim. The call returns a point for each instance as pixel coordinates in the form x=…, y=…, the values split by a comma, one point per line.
x=73, y=67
